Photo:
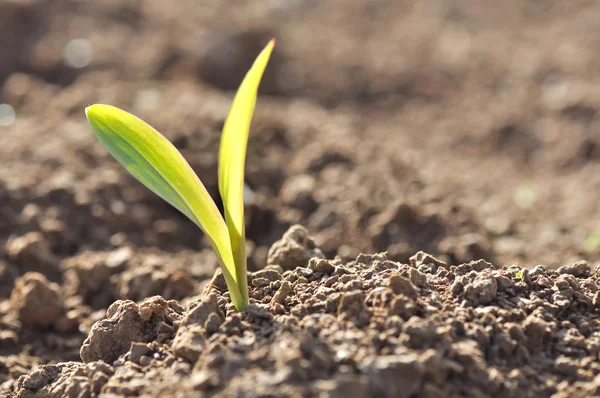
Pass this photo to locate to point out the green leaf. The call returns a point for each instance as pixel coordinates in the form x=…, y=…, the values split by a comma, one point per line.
x=232, y=160
x=519, y=274
x=155, y=162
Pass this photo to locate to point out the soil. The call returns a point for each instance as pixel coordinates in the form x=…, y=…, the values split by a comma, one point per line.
x=457, y=142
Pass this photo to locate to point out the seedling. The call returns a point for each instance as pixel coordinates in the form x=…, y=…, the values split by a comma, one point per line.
x=155, y=162
x=519, y=274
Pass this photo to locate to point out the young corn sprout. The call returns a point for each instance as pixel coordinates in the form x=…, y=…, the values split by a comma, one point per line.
x=155, y=162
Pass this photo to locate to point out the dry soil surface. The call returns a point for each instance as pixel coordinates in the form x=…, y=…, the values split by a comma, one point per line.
x=469, y=130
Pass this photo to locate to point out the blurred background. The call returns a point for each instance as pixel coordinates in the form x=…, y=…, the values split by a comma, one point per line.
x=467, y=129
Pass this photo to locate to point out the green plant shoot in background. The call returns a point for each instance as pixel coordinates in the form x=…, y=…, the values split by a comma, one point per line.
x=155, y=162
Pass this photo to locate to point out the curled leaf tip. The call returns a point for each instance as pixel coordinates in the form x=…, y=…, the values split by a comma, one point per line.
x=87, y=110
x=96, y=110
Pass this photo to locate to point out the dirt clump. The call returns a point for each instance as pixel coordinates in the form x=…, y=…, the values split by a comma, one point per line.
x=294, y=249
x=201, y=320
x=31, y=252
x=35, y=301
x=68, y=379
x=127, y=322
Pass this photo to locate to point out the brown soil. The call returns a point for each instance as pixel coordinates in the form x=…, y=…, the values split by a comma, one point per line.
x=464, y=129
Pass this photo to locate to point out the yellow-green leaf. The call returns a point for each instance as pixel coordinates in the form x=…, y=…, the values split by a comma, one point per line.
x=232, y=160
x=155, y=162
